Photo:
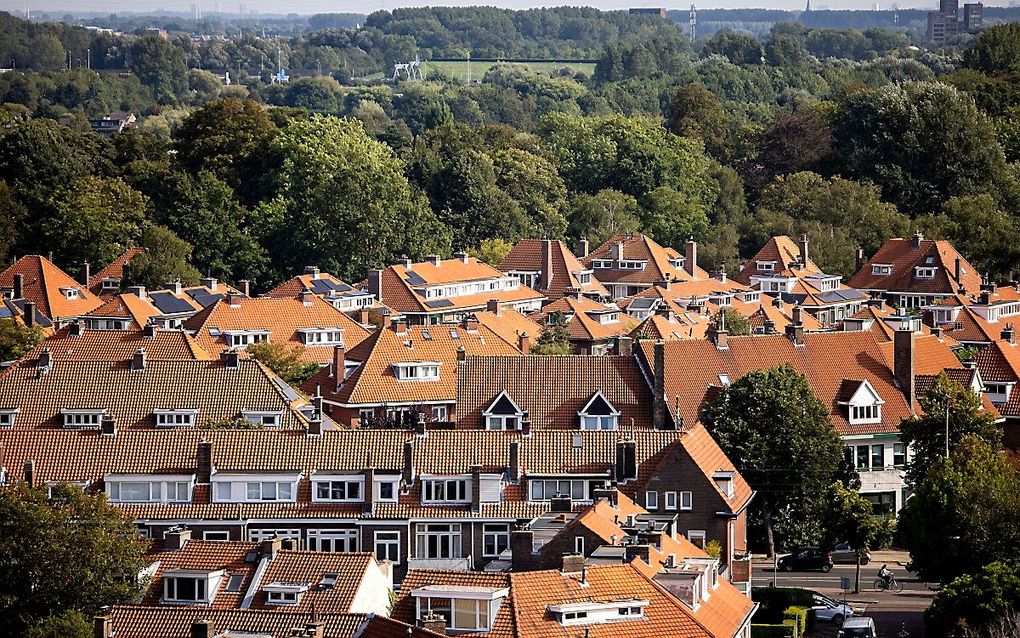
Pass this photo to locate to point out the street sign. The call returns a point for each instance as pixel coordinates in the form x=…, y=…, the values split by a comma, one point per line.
x=844, y=582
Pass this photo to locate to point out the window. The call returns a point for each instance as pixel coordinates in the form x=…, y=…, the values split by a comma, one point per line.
x=265, y=419
x=338, y=491
x=111, y=283
x=697, y=537
x=142, y=491
x=387, y=546
x=439, y=412
x=333, y=540
x=223, y=492
x=497, y=422
x=216, y=535
x=243, y=339
x=437, y=540
x=881, y=269
x=882, y=502
x=632, y=264
x=766, y=266
x=175, y=418
x=652, y=500
x=322, y=337
x=426, y=371
x=495, y=539
x=686, y=500
x=268, y=534
x=924, y=272
x=82, y=418
x=877, y=457
x=366, y=415
x=388, y=491
x=611, y=422
x=861, y=457
x=235, y=582
x=444, y=491
x=579, y=545
x=670, y=498
x=282, y=597
x=584, y=278
x=865, y=413
x=7, y=417
x=184, y=589
x=576, y=489
x=602, y=263
x=899, y=454
x=70, y=293
x=269, y=491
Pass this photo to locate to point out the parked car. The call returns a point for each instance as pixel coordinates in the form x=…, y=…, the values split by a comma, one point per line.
x=859, y=627
x=806, y=558
x=830, y=610
x=844, y=554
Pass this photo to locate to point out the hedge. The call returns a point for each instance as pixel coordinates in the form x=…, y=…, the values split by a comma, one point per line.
x=799, y=616
x=786, y=630
x=775, y=601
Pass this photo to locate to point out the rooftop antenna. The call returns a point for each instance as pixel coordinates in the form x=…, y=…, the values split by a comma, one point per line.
x=693, y=22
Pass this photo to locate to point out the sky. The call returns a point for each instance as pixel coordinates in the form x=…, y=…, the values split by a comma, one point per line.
x=365, y=6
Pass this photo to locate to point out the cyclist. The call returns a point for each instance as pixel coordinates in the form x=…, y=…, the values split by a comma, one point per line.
x=886, y=575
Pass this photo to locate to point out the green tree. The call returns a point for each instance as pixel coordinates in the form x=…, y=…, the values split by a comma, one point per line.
x=12, y=216
x=285, y=360
x=996, y=51
x=70, y=624
x=491, y=251
x=697, y=112
x=162, y=66
x=555, y=339
x=597, y=217
x=344, y=202
x=964, y=513
x=94, y=219
x=672, y=218
x=978, y=227
x=790, y=143
x=925, y=434
x=736, y=324
x=17, y=339
x=975, y=601
x=739, y=48
x=46, y=544
x=778, y=434
x=847, y=518
x=165, y=259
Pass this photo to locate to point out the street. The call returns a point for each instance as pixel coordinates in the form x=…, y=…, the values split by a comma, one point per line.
x=893, y=613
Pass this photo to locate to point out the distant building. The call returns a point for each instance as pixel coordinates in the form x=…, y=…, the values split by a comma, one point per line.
x=649, y=11
x=947, y=22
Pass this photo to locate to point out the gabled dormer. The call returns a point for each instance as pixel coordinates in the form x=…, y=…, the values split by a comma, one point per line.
x=599, y=414
x=191, y=586
x=503, y=414
x=864, y=405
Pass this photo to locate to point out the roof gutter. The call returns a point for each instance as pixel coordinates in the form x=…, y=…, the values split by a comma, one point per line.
x=740, y=511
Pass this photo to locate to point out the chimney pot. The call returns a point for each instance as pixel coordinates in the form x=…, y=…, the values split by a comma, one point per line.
x=245, y=287
x=19, y=286
x=176, y=538
x=691, y=257
x=434, y=623
x=523, y=342
x=202, y=629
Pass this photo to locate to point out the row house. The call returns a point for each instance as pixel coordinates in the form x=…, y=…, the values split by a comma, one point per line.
x=76, y=342
x=915, y=272
x=548, y=266
x=177, y=303
x=124, y=311
x=137, y=621
x=868, y=394
x=110, y=279
x=593, y=327
x=435, y=499
x=576, y=600
x=53, y=391
x=783, y=269
x=439, y=290
x=704, y=296
x=883, y=321
x=41, y=287
x=401, y=371
x=305, y=322
x=628, y=264
x=975, y=320
x=267, y=574
x=337, y=293
x=999, y=365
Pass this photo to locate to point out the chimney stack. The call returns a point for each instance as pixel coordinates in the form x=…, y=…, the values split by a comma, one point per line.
x=407, y=473
x=803, y=243
x=522, y=549
x=86, y=272
x=492, y=306
x=45, y=359
x=30, y=473
x=958, y=270
x=476, y=489
x=149, y=331
x=691, y=257
x=74, y=329
x=368, y=500
x=202, y=629
x=624, y=346
x=138, y=360
x=19, y=286
x=245, y=287
x=659, y=383
x=209, y=282
x=138, y=291
x=307, y=297
x=339, y=366
x=231, y=360
x=375, y=284
x=233, y=300
x=461, y=354
x=29, y=315
x=583, y=248
x=462, y=256
x=203, y=462
x=434, y=623
x=176, y=538
x=903, y=362
x=435, y=260
x=523, y=342
x=515, y=461
x=271, y=547
x=546, y=272
x=107, y=426
x=313, y=271
x=859, y=259
x=101, y=627
x=315, y=422
x=916, y=239
x=399, y=326
x=1009, y=335
x=626, y=461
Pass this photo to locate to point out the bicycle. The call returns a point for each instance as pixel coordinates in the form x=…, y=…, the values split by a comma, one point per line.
x=880, y=584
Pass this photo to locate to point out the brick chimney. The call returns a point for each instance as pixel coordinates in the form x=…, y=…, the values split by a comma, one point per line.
x=858, y=259
x=958, y=270
x=523, y=342
x=476, y=489
x=691, y=257
x=202, y=629
x=204, y=462
x=375, y=284
x=561, y=504
x=271, y=547
x=434, y=623
x=74, y=329
x=582, y=248
x=1008, y=334
x=546, y=273
x=313, y=271
x=231, y=360
x=307, y=297
x=616, y=251
x=795, y=329
x=29, y=314
x=18, y=288
x=903, y=362
x=461, y=354
x=659, y=386
x=149, y=331
x=137, y=290
x=315, y=422
x=107, y=426
x=339, y=366
x=399, y=326
x=209, y=282
x=572, y=564
x=101, y=627
x=245, y=287
x=514, y=461
x=626, y=461
x=803, y=244
x=176, y=538
x=522, y=549
x=138, y=360
x=407, y=472
x=30, y=473
x=368, y=500
x=916, y=239
x=624, y=346
x=493, y=306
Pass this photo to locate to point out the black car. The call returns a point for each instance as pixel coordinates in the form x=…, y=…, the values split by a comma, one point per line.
x=806, y=558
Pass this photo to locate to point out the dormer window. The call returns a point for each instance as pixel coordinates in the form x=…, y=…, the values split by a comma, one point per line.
x=602, y=263
x=284, y=593
x=132, y=488
x=416, y=371
x=864, y=404
x=599, y=414
x=190, y=586
x=609, y=317
x=175, y=418
x=264, y=418
x=924, y=272
x=632, y=264
x=464, y=608
x=7, y=416
x=766, y=266
x=76, y=418
x=584, y=277
x=724, y=480
x=70, y=293
x=321, y=336
x=881, y=269
x=503, y=414
x=337, y=489
x=243, y=338
x=677, y=262
x=254, y=488
x=582, y=613
x=445, y=490
x=110, y=284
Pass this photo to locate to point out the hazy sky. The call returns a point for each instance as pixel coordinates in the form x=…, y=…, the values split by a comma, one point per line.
x=365, y=6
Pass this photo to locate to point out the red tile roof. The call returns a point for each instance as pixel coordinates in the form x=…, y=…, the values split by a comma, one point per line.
x=131, y=621
x=45, y=284
x=904, y=257
x=583, y=321
x=307, y=568
x=125, y=306
x=502, y=624
x=118, y=345
x=639, y=247
x=203, y=556
x=558, y=268
x=113, y=270
x=785, y=253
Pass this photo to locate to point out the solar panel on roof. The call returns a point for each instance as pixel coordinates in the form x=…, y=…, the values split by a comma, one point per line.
x=168, y=303
x=204, y=298
x=414, y=278
x=439, y=303
x=5, y=312
x=642, y=303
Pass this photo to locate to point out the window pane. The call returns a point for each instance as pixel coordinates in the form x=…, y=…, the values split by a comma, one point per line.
x=254, y=491
x=877, y=456
x=285, y=491
x=464, y=614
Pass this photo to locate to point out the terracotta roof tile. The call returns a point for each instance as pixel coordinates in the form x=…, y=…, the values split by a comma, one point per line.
x=509, y=324
x=558, y=268
x=125, y=306
x=583, y=318
x=113, y=270
x=117, y=345
x=784, y=252
x=207, y=556
x=308, y=568
x=639, y=247
x=130, y=621
x=44, y=284
x=903, y=257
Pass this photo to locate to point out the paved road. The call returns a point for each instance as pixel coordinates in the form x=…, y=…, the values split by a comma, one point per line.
x=893, y=613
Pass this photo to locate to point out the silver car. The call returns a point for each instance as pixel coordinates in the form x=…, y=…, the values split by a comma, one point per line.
x=846, y=555
x=830, y=610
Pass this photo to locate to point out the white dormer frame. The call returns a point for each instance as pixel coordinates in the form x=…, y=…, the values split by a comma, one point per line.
x=865, y=406
x=241, y=339
x=501, y=421
x=416, y=370
x=210, y=581
x=925, y=272
x=7, y=417
x=881, y=269
x=82, y=417
x=149, y=488
x=724, y=480
x=588, y=421
x=265, y=418
x=70, y=293
x=585, y=613
x=322, y=336
x=175, y=418
x=284, y=593
x=764, y=265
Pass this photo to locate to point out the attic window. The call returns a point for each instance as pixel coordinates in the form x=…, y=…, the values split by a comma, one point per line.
x=766, y=266
x=7, y=417
x=328, y=580
x=234, y=584
x=724, y=480
x=321, y=336
x=244, y=338
x=175, y=418
x=677, y=262
x=724, y=379
x=881, y=269
x=865, y=406
x=632, y=264
x=187, y=588
x=284, y=593
x=416, y=371
x=599, y=414
x=503, y=414
x=582, y=613
x=924, y=272
x=70, y=293
x=111, y=283
x=602, y=263
x=265, y=418
x=74, y=418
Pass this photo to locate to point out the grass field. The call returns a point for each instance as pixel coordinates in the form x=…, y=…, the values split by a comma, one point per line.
x=460, y=70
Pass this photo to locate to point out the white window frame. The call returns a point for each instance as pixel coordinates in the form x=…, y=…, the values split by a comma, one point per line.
x=334, y=540
x=203, y=588
x=8, y=416
x=390, y=540
x=496, y=532
x=451, y=532
x=651, y=500
x=416, y=371
x=169, y=488
x=215, y=535
x=338, y=483
x=175, y=418
x=669, y=501
x=437, y=489
x=697, y=535
x=686, y=500
x=265, y=418
x=579, y=545
x=75, y=418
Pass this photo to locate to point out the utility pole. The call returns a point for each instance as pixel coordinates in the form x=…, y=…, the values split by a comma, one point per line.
x=88, y=58
x=693, y=22
x=947, y=430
